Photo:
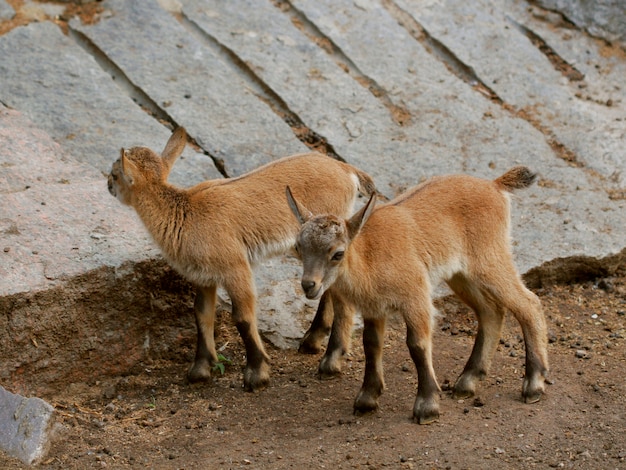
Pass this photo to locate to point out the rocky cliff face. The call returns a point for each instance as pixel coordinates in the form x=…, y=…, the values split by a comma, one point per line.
x=605, y=19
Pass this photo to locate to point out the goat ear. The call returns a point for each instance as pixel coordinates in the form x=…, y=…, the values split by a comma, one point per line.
x=175, y=146
x=356, y=222
x=295, y=208
x=130, y=172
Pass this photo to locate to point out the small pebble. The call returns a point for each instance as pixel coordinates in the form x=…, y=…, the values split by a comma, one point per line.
x=582, y=354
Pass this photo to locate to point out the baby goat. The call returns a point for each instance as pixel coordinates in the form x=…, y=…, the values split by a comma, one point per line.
x=214, y=232
x=451, y=228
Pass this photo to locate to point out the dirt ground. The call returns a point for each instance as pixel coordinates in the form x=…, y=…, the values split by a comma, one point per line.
x=152, y=418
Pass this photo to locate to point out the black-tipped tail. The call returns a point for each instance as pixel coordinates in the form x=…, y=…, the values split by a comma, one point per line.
x=366, y=183
x=518, y=177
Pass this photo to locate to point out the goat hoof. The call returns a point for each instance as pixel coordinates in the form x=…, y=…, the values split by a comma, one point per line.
x=532, y=397
x=532, y=390
x=255, y=379
x=361, y=407
x=366, y=402
x=329, y=369
x=328, y=374
x=460, y=394
x=309, y=347
x=465, y=386
x=200, y=371
x=426, y=419
x=426, y=411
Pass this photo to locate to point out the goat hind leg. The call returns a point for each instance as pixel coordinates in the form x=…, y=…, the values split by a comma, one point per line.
x=527, y=310
x=490, y=321
x=206, y=356
x=510, y=292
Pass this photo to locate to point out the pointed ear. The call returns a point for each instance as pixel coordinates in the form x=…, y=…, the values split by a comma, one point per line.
x=130, y=172
x=302, y=215
x=175, y=146
x=356, y=222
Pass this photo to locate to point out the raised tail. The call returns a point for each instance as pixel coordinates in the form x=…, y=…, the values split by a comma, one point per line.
x=366, y=183
x=518, y=177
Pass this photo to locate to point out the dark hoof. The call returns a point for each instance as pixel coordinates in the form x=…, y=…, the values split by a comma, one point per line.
x=426, y=418
x=465, y=386
x=532, y=389
x=328, y=375
x=361, y=409
x=309, y=348
x=256, y=380
x=460, y=394
x=426, y=411
x=366, y=402
x=532, y=397
x=330, y=367
x=199, y=372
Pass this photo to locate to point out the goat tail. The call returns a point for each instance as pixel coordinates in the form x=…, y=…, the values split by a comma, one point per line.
x=366, y=183
x=518, y=177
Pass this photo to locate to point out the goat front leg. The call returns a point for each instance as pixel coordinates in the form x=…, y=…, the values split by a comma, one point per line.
x=339, y=341
x=256, y=371
x=418, y=340
x=206, y=356
x=373, y=381
x=320, y=326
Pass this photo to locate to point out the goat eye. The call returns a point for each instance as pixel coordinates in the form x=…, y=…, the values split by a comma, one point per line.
x=338, y=256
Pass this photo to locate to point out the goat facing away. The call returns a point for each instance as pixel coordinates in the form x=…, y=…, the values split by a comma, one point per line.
x=214, y=232
x=452, y=228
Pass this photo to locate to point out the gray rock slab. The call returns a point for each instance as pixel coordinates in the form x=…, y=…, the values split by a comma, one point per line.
x=603, y=68
x=327, y=99
x=58, y=85
x=25, y=426
x=57, y=219
x=6, y=11
x=602, y=18
x=468, y=132
x=484, y=38
x=192, y=84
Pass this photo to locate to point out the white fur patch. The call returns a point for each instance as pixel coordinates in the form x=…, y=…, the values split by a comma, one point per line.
x=270, y=250
x=446, y=271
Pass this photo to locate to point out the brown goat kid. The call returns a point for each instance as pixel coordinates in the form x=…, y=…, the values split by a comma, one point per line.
x=450, y=228
x=214, y=232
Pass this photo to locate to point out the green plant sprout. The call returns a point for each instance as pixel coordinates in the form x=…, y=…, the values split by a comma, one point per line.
x=152, y=404
x=220, y=365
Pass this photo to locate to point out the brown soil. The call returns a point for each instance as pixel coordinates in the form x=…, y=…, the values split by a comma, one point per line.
x=150, y=417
